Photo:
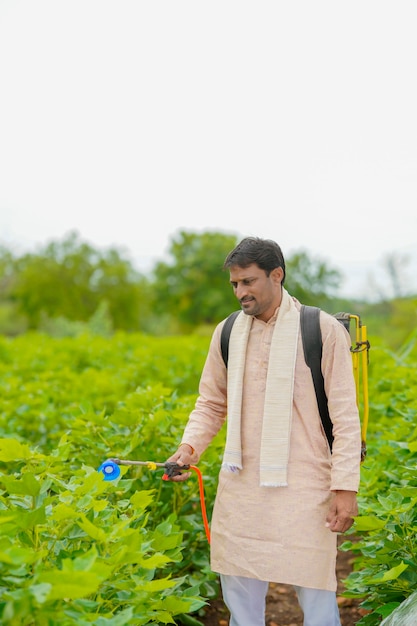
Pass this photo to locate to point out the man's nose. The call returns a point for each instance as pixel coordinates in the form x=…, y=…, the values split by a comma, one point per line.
x=240, y=291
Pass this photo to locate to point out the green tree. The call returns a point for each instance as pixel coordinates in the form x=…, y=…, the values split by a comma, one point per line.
x=11, y=323
x=311, y=280
x=192, y=286
x=7, y=261
x=71, y=279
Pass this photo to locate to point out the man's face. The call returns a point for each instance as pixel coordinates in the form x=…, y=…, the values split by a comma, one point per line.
x=258, y=294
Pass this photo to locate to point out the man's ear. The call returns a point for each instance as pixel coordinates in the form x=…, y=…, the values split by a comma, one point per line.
x=277, y=275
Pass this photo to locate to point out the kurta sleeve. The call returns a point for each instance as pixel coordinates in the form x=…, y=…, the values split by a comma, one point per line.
x=341, y=395
x=210, y=410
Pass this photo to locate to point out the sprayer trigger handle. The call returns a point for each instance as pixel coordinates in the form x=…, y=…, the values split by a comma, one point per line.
x=173, y=469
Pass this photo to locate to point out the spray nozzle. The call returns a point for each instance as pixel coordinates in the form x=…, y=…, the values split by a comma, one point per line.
x=110, y=469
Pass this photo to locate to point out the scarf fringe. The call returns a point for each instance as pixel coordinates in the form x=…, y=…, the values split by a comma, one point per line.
x=230, y=467
x=285, y=484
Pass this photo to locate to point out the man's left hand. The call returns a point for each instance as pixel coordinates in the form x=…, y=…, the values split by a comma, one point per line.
x=342, y=511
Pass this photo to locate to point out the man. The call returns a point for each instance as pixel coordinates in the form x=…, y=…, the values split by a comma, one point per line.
x=282, y=495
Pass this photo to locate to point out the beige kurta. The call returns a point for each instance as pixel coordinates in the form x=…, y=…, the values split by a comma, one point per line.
x=278, y=534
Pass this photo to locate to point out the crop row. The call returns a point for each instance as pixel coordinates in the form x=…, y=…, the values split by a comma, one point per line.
x=75, y=549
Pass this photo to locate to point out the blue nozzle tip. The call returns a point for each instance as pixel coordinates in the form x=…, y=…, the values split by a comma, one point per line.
x=110, y=470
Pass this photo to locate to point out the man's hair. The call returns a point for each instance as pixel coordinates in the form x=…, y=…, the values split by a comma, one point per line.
x=265, y=253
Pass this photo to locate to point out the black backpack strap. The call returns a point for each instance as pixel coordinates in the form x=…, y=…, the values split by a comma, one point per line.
x=225, y=335
x=313, y=349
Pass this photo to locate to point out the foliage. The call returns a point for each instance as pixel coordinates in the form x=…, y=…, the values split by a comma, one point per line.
x=385, y=572
x=6, y=268
x=100, y=323
x=311, y=280
x=405, y=614
x=76, y=549
x=68, y=287
x=11, y=322
x=70, y=279
x=403, y=317
x=392, y=320
x=79, y=550
x=73, y=553
x=192, y=284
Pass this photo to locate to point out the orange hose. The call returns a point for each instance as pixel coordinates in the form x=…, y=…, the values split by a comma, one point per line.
x=202, y=501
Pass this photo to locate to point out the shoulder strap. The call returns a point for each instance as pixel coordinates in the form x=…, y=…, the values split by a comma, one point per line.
x=313, y=348
x=225, y=335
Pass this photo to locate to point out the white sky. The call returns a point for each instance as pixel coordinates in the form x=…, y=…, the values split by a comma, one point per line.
x=129, y=121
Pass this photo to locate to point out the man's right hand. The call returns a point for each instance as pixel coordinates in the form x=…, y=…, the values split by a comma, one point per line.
x=183, y=456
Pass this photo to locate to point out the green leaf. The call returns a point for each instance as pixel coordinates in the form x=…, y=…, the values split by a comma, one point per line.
x=70, y=585
x=159, y=584
x=162, y=542
x=93, y=531
x=391, y=574
x=387, y=609
x=16, y=555
x=62, y=511
x=40, y=591
x=8, y=516
x=26, y=485
x=120, y=619
x=22, y=519
x=392, y=501
x=30, y=519
x=405, y=614
x=142, y=499
x=83, y=562
x=92, y=483
x=154, y=561
x=162, y=617
x=13, y=450
x=99, y=505
x=175, y=604
x=368, y=522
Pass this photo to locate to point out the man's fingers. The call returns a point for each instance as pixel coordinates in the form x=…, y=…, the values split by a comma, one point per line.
x=180, y=477
x=340, y=525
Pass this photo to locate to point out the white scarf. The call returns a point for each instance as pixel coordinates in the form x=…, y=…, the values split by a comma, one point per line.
x=276, y=427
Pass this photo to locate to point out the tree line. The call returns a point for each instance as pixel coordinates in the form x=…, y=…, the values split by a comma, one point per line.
x=68, y=283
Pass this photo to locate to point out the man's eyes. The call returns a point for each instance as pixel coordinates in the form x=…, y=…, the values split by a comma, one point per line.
x=244, y=282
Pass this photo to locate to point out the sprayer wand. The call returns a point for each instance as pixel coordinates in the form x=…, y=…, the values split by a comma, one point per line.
x=111, y=470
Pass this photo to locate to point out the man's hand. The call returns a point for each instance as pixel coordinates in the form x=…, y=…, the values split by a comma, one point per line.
x=342, y=511
x=183, y=456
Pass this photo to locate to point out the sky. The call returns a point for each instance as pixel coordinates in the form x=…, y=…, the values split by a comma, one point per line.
x=129, y=121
